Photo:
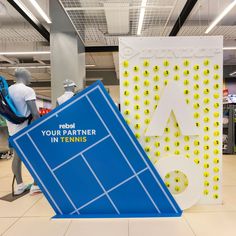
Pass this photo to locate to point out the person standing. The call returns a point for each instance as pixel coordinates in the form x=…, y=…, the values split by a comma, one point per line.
x=24, y=99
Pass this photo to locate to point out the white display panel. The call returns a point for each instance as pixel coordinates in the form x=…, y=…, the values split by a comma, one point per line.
x=179, y=78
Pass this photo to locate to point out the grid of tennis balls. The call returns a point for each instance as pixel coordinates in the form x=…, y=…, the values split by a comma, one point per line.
x=138, y=81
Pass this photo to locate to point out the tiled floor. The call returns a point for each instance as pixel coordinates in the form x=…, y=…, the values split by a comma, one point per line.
x=30, y=216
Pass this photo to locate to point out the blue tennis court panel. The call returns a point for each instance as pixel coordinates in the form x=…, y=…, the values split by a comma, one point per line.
x=88, y=162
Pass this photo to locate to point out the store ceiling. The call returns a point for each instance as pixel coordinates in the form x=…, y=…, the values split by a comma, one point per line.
x=100, y=23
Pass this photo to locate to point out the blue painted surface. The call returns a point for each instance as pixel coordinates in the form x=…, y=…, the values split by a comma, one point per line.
x=109, y=175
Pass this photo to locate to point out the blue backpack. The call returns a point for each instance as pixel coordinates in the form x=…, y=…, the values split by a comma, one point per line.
x=7, y=107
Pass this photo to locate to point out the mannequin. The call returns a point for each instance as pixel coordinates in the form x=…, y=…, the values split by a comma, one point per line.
x=69, y=87
x=24, y=99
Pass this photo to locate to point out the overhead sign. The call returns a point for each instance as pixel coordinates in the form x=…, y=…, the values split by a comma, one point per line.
x=88, y=163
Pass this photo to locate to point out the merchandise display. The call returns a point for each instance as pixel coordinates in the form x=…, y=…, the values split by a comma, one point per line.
x=106, y=157
x=182, y=82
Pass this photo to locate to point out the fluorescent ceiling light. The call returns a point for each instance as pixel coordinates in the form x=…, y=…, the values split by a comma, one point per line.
x=229, y=48
x=90, y=65
x=40, y=11
x=24, y=53
x=221, y=16
x=27, y=11
x=141, y=16
x=27, y=67
x=233, y=74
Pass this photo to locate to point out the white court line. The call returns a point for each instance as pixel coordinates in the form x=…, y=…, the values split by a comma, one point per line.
x=100, y=184
x=124, y=156
x=80, y=153
x=46, y=190
x=59, y=183
x=57, y=112
x=110, y=190
x=158, y=182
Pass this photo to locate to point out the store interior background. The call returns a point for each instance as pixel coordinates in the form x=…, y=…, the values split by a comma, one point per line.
x=95, y=31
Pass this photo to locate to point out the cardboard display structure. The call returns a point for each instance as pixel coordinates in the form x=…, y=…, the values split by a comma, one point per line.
x=88, y=163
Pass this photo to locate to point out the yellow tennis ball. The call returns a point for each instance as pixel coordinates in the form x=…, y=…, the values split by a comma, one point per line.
x=176, y=77
x=126, y=73
x=157, y=153
x=127, y=112
x=177, y=143
x=136, y=69
x=196, y=105
x=137, y=135
x=156, y=68
x=206, y=100
x=196, y=160
x=166, y=63
x=216, y=105
x=165, y=82
x=126, y=93
x=136, y=97
x=177, y=134
x=216, y=76
x=146, y=63
x=216, y=160
x=156, y=88
x=147, y=139
x=146, y=82
x=206, y=165
x=206, y=119
x=186, y=82
x=157, y=144
x=186, y=138
x=136, y=88
x=216, y=169
x=136, y=107
x=147, y=149
x=176, y=67
x=196, y=67
x=167, y=139
x=186, y=91
x=156, y=78
x=206, y=138
x=136, y=116
x=206, y=91
x=167, y=148
x=196, y=115
x=126, y=83
x=206, y=62
x=146, y=102
x=216, y=123
x=177, y=179
x=147, y=121
x=216, y=86
x=156, y=97
x=126, y=102
x=137, y=126
x=136, y=78
x=206, y=183
x=146, y=93
x=187, y=156
x=206, y=110
x=125, y=63
x=187, y=100
x=206, y=81
x=127, y=121
x=215, y=187
x=167, y=130
x=216, y=151
x=186, y=62
x=196, y=143
x=216, y=95
x=186, y=148
x=206, y=72
x=216, y=133
x=196, y=77
x=216, y=114
x=206, y=174
x=146, y=73
x=146, y=111
x=216, y=178
x=196, y=86
x=206, y=128
x=166, y=73
x=196, y=96
x=206, y=156
x=186, y=72
x=167, y=184
x=206, y=192
x=206, y=147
